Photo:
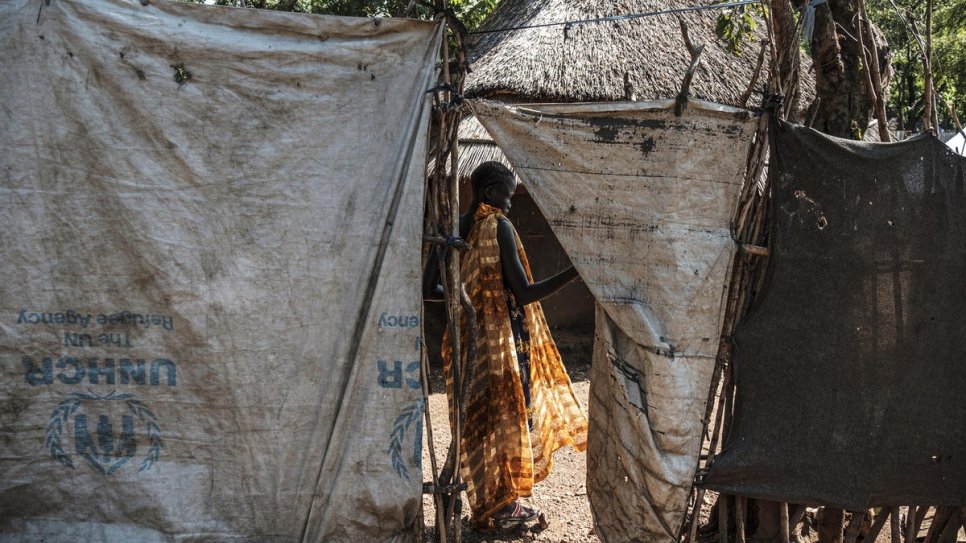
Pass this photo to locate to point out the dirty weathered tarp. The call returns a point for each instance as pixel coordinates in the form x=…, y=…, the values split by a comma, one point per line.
x=642, y=202
x=850, y=368
x=193, y=201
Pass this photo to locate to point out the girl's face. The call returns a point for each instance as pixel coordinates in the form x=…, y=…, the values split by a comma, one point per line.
x=498, y=194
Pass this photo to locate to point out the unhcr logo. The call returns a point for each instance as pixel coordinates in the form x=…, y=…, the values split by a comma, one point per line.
x=101, y=433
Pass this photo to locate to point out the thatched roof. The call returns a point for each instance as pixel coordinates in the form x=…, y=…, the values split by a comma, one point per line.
x=477, y=147
x=588, y=62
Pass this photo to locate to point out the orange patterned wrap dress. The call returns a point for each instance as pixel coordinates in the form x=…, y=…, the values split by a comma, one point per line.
x=508, y=441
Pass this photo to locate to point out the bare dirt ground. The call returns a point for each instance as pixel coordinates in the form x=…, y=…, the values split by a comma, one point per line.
x=562, y=497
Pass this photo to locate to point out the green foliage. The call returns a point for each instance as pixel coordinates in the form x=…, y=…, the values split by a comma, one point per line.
x=737, y=25
x=949, y=53
x=470, y=12
x=473, y=12
x=949, y=56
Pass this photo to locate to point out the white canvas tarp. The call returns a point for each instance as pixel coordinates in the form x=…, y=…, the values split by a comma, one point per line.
x=209, y=300
x=642, y=202
x=958, y=143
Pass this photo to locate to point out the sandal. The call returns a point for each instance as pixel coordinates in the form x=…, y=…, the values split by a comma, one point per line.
x=518, y=516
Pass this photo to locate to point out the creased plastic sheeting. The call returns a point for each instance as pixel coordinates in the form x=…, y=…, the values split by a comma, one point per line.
x=642, y=202
x=194, y=201
x=850, y=367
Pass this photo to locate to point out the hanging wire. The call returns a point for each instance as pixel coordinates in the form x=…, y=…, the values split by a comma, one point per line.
x=723, y=5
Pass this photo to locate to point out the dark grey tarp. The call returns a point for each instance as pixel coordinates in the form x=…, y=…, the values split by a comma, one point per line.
x=851, y=369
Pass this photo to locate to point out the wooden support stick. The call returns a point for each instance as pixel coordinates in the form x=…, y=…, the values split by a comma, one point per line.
x=785, y=530
x=812, y=112
x=453, y=290
x=743, y=101
x=695, y=51
x=855, y=524
x=713, y=447
x=911, y=525
x=722, y=518
x=693, y=532
x=895, y=531
x=688, y=44
x=921, y=514
x=424, y=381
x=871, y=57
x=914, y=521
x=869, y=89
x=939, y=520
x=877, y=524
x=741, y=503
x=928, y=117
x=955, y=118
x=951, y=533
x=754, y=250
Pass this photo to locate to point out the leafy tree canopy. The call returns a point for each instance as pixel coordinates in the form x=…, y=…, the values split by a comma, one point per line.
x=470, y=12
x=901, y=20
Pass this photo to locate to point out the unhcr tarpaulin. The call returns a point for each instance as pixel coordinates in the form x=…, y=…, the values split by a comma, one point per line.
x=850, y=369
x=197, y=204
x=642, y=202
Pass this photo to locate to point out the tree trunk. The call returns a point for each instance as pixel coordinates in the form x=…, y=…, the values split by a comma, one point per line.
x=840, y=79
x=785, y=74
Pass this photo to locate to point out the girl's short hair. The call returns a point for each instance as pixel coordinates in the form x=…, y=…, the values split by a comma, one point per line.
x=487, y=173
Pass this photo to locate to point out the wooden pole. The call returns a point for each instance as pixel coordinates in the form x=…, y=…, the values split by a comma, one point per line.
x=869, y=89
x=877, y=524
x=928, y=116
x=895, y=531
x=741, y=503
x=785, y=536
x=452, y=299
x=743, y=101
x=914, y=521
x=437, y=497
x=911, y=525
x=455, y=294
x=723, y=518
x=855, y=524
x=939, y=520
x=693, y=531
x=951, y=533
x=784, y=75
x=445, y=206
x=714, y=442
x=831, y=525
x=871, y=56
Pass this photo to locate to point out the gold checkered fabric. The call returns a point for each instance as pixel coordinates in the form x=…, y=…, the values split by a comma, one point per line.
x=501, y=458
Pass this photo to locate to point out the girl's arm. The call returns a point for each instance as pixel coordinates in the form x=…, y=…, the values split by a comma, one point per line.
x=515, y=276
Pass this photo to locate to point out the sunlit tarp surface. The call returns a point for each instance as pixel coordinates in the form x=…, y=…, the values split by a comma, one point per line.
x=642, y=202
x=209, y=306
